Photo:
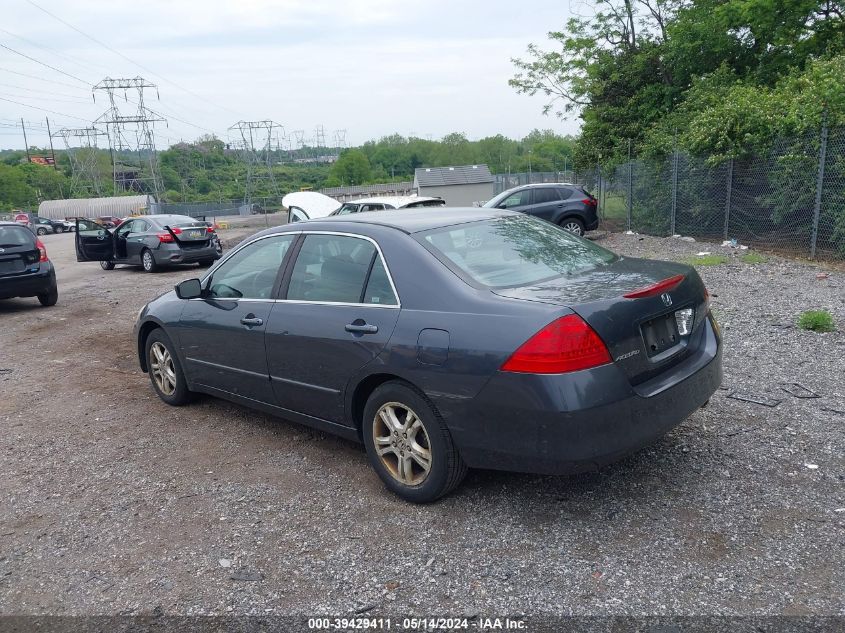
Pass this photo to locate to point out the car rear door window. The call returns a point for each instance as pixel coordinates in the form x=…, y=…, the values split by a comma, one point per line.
x=334, y=269
x=379, y=290
x=564, y=193
x=251, y=272
x=545, y=195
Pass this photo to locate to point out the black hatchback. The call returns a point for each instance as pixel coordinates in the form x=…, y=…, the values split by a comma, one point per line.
x=151, y=241
x=569, y=206
x=25, y=269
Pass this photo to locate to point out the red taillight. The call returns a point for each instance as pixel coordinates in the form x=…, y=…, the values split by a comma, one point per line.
x=210, y=229
x=166, y=237
x=42, y=250
x=655, y=289
x=590, y=202
x=565, y=345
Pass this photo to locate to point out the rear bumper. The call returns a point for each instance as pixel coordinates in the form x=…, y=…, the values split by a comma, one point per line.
x=30, y=284
x=175, y=254
x=580, y=421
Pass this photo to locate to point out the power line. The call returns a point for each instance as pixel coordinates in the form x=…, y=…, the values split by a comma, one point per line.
x=47, y=92
x=49, y=81
x=26, y=105
x=58, y=70
x=131, y=61
x=62, y=54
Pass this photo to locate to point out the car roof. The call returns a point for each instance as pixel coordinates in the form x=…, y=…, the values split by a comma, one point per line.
x=395, y=201
x=166, y=216
x=411, y=220
x=12, y=223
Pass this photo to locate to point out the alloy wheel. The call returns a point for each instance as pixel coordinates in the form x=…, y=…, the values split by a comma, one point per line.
x=163, y=371
x=402, y=443
x=148, y=260
x=572, y=227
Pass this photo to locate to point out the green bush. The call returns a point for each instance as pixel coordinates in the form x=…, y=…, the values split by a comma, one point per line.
x=753, y=258
x=816, y=320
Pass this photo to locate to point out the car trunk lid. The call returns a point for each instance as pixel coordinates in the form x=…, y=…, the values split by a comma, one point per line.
x=641, y=332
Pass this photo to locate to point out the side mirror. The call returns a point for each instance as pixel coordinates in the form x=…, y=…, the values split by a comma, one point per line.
x=189, y=289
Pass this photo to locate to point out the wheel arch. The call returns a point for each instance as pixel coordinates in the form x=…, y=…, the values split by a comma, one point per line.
x=365, y=388
x=144, y=332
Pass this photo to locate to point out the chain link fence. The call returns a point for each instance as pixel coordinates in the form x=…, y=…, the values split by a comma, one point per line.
x=790, y=200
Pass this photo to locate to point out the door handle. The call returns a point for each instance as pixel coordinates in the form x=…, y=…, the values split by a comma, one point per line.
x=361, y=328
x=251, y=321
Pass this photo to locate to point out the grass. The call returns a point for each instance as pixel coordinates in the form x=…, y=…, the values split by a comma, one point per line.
x=707, y=260
x=753, y=258
x=816, y=320
x=615, y=207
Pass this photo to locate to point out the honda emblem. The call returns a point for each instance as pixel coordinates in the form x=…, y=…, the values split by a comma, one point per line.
x=667, y=299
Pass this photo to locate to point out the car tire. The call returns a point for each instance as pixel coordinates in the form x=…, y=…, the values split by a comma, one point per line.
x=41, y=231
x=59, y=229
x=50, y=297
x=205, y=263
x=165, y=370
x=573, y=225
x=148, y=261
x=107, y=265
x=401, y=456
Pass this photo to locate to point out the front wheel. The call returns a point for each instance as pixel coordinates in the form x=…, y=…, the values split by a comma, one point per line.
x=573, y=225
x=107, y=265
x=409, y=445
x=148, y=262
x=41, y=231
x=165, y=371
x=59, y=229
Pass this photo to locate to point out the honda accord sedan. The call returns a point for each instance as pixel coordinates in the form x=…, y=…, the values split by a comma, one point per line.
x=443, y=339
x=150, y=241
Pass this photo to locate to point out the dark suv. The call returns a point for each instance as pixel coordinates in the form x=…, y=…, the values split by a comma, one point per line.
x=570, y=206
x=25, y=270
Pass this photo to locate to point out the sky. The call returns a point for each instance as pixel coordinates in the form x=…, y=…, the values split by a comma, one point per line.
x=370, y=67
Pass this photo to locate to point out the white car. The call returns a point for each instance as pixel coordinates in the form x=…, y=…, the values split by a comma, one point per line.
x=388, y=202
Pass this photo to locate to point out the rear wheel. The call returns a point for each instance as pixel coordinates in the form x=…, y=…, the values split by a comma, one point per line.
x=107, y=265
x=165, y=371
x=148, y=262
x=409, y=445
x=59, y=229
x=573, y=225
x=50, y=297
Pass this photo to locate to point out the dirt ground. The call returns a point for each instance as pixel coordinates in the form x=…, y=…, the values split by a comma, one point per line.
x=112, y=502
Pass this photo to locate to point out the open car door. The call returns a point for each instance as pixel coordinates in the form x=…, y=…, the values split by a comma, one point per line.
x=94, y=243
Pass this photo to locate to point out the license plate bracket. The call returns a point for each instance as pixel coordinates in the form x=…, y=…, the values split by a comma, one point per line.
x=660, y=334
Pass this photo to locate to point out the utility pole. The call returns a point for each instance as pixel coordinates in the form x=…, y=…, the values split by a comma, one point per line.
x=52, y=151
x=257, y=155
x=25, y=142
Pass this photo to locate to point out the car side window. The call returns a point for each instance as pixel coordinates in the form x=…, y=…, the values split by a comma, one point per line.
x=518, y=199
x=90, y=228
x=565, y=194
x=251, y=272
x=545, y=195
x=379, y=291
x=331, y=268
x=126, y=228
x=140, y=226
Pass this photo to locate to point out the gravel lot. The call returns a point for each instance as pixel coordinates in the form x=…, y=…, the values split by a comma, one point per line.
x=113, y=503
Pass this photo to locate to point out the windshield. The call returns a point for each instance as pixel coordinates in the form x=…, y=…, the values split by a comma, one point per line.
x=347, y=209
x=514, y=251
x=15, y=236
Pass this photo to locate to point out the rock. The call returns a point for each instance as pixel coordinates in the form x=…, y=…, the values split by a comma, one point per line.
x=225, y=562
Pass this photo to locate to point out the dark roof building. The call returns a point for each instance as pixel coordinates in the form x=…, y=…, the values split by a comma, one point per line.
x=460, y=186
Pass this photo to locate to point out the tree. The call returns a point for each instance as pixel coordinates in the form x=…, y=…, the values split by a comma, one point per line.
x=352, y=168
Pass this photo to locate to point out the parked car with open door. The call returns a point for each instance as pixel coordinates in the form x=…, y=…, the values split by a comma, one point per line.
x=150, y=241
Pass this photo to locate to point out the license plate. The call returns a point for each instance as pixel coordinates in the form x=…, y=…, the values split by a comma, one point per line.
x=11, y=266
x=195, y=234
x=660, y=334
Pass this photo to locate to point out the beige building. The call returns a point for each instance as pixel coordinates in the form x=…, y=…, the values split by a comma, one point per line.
x=463, y=186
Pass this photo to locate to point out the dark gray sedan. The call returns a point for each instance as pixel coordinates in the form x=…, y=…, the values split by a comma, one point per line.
x=150, y=241
x=443, y=339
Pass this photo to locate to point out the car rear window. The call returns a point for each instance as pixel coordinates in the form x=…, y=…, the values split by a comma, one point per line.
x=16, y=236
x=514, y=251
